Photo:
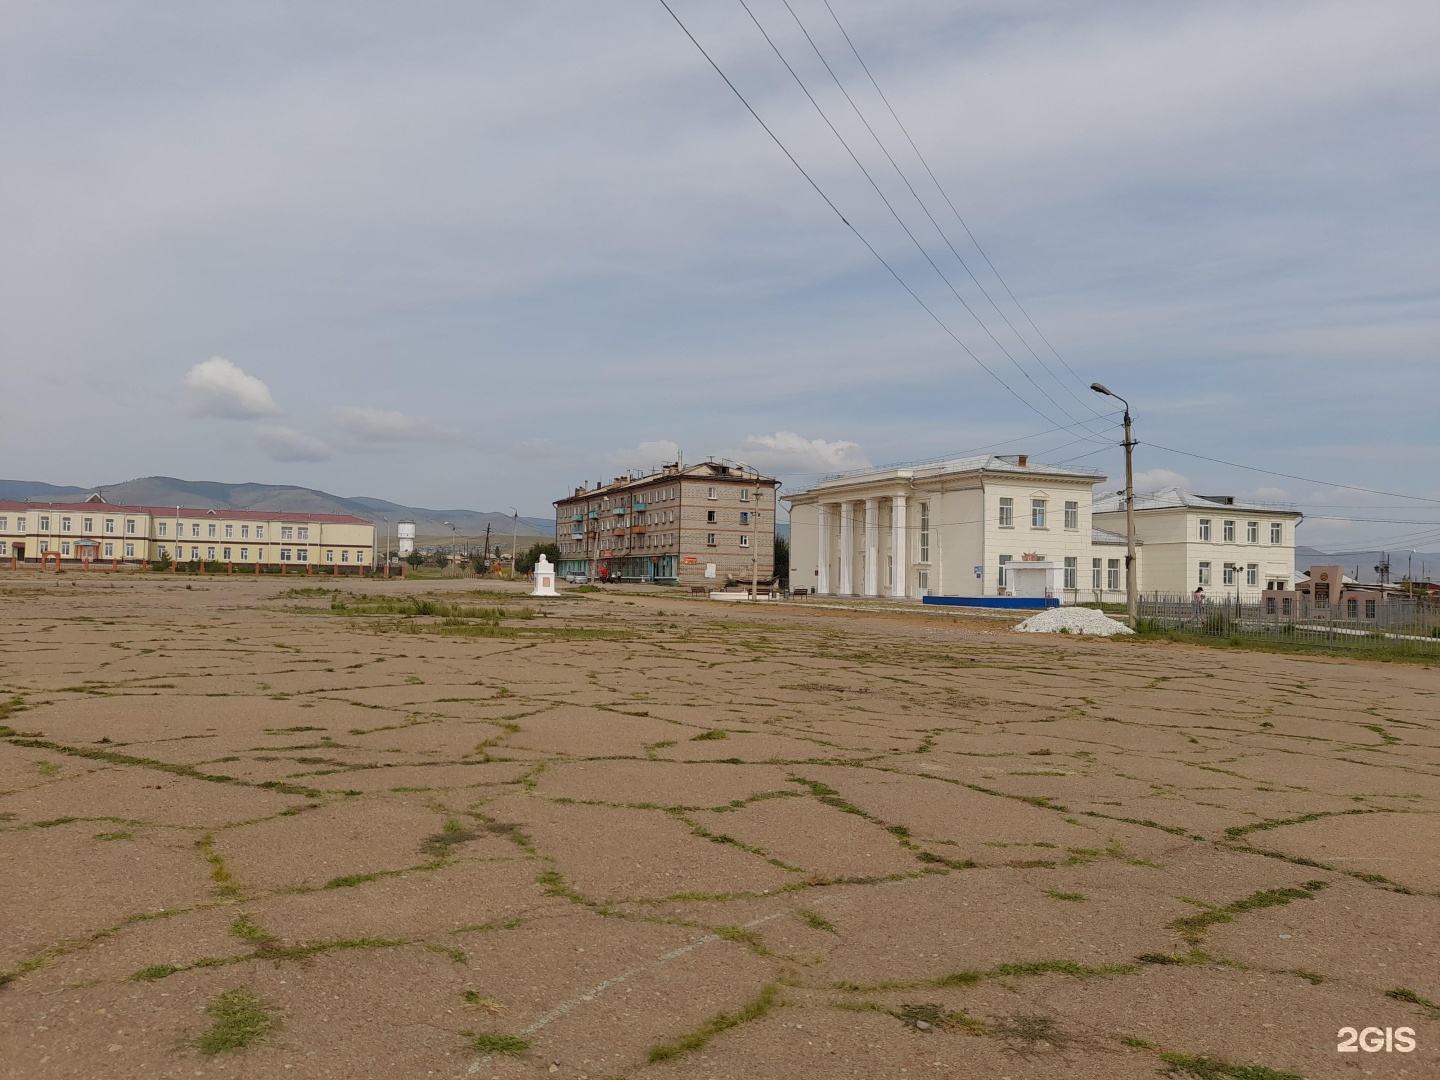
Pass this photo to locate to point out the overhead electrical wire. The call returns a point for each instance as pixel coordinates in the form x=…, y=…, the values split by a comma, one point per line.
x=846, y=222
x=1292, y=476
x=895, y=214
x=1084, y=402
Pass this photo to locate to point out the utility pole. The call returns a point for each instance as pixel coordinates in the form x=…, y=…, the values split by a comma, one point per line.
x=487, y=548
x=754, y=547
x=1132, y=594
x=514, y=541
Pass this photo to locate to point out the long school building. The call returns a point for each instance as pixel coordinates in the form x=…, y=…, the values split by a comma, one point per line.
x=683, y=525
x=96, y=531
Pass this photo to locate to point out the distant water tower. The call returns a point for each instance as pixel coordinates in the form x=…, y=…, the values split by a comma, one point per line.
x=406, y=533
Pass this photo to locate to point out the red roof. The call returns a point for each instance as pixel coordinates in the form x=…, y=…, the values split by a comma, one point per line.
x=168, y=512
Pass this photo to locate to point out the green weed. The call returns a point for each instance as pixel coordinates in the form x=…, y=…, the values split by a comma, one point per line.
x=238, y=1018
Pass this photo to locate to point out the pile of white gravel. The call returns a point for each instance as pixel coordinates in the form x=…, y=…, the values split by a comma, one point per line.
x=1077, y=620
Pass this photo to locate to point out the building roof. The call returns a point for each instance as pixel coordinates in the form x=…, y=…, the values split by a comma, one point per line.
x=1014, y=464
x=1105, y=536
x=167, y=512
x=704, y=470
x=1174, y=498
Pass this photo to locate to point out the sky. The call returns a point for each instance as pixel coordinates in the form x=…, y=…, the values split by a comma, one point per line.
x=473, y=255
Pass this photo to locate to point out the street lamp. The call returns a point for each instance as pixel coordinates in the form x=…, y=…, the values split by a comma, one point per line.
x=514, y=539
x=389, y=548
x=1132, y=596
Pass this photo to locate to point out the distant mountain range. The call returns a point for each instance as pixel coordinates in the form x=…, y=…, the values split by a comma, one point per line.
x=206, y=494
x=1425, y=565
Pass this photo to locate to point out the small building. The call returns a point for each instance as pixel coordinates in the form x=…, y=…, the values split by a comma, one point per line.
x=97, y=531
x=986, y=526
x=1224, y=545
x=696, y=525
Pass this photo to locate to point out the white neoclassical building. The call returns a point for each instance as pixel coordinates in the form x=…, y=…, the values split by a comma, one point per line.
x=958, y=528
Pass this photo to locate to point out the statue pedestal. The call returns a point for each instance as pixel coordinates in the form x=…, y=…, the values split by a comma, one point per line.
x=544, y=579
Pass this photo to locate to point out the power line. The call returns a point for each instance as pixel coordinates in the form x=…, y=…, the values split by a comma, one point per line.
x=926, y=209
x=895, y=214
x=938, y=187
x=1292, y=476
x=846, y=222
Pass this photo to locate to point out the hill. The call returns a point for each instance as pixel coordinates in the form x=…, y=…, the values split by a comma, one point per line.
x=206, y=494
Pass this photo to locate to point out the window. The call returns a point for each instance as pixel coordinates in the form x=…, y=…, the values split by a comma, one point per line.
x=329, y=554
x=1204, y=576
x=210, y=553
x=345, y=555
x=360, y=556
x=129, y=551
x=1071, y=571
x=194, y=551
x=1007, y=513
x=159, y=528
x=285, y=555
x=1252, y=574
x=1252, y=532
x=225, y=555
x=1072, y=515
x=709, y=539
x=88, y=525
x=1096, y=566
x=1269, y=605
x=109, y=550
x=1112, y=575
x=1285, y=605
x=259, y=532
x=302, y=533
x=4, y=547
x=229, y=532
x=44, y=524
x=1037, y=513
x=287, y=533
x=1227, y=574
x=4, y=524
x=924, y=531
x=65, y=548
x=20, y=523
x=922, y=580
x=1369, y=609
x=1275, y=532
x=712, y=493
x=1229, y=532
x=259, y=554
x=64, y=524
x=45, y=546
x=1003, y=576
x=710, y=516
x=302, y=554
x=244, y=554
x=244, y=532
x=1204, y=529
x=744, y=517
x=194, y=531
x=210, y=531
x=130, y=526
x=744, y=539
x=744, y=494
x=1352, y=608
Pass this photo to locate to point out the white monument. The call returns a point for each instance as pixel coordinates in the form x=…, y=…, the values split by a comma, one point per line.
x=544, y=579
x=406, y=537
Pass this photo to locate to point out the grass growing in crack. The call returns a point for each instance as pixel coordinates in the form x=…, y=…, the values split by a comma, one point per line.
x=224, y=880
x=1025, y=1032
x=1401, y=994
x=744, y=937
x=929, y=1016
x=715, y=1025
x=154, y=972
x=713, y=733
x=480, y=1001
x=1206, y=1068
x=493, y=1042
x=247, y=929
x=1192, y=927
x=114, y=836
x=1074, y=897
x=238, y=1018
x=448, y=838
x=815, y=921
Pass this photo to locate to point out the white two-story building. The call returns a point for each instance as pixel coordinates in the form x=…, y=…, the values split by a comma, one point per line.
x=987, y=526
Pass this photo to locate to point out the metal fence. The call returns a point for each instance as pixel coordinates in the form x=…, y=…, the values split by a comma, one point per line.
x=1357, y=624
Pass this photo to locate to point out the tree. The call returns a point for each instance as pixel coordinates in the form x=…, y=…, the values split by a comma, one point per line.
x=415, y=559
x=782, y=560
x=526, y=560
x=440, y=557
x=479, y=563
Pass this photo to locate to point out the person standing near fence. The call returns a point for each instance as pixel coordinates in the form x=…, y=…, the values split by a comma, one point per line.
x=1197, y=603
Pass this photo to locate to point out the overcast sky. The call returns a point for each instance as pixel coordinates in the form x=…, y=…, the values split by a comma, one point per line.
x=474, y=254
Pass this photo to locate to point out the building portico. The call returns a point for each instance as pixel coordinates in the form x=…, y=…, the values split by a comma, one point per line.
x=855, y=554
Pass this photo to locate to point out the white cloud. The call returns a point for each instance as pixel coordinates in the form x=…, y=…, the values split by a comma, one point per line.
x=1155, y=479
x=787, y=452
x=369, y=427
x=648, y=455
x=219, y=387
x=287, y=444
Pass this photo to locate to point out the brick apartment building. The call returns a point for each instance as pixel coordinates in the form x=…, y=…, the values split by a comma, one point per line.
x=683, y=525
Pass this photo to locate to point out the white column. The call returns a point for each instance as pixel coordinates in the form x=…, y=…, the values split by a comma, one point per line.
x=847, y=549
x=900, y=544
x=872, y=547
x=824, y=519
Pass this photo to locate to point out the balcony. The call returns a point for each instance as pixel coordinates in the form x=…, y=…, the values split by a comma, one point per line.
x=594, y=515
x=577, y=515
x=637, y=529
x=617, y=510
x=637, y=507
x=577, y=535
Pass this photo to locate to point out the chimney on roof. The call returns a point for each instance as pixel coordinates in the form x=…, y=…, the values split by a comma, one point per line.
x=1023, y=460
